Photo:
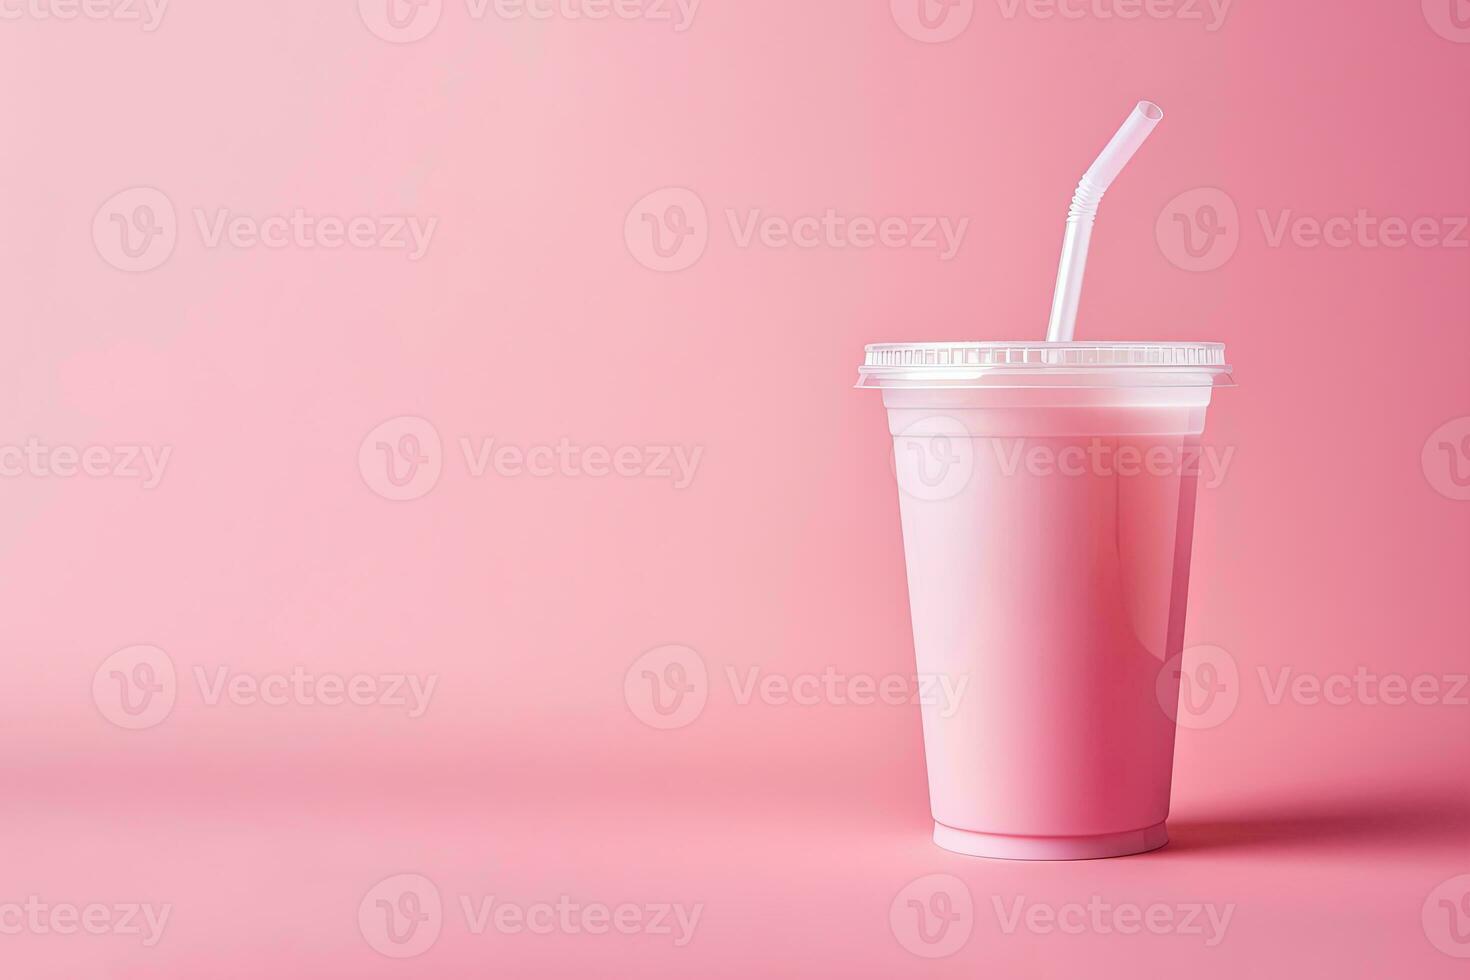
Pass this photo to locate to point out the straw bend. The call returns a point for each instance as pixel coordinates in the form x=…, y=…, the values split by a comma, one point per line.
x=1083, y=211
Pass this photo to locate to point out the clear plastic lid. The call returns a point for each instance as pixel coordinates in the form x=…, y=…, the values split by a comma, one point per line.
x=1042, y=364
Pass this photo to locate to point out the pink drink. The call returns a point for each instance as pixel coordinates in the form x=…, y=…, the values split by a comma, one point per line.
x=1047, y=516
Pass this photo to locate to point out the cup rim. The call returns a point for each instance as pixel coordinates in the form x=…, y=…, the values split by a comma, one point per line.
x=1079, y=363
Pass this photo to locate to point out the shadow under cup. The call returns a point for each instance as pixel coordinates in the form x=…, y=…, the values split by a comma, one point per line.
x=1047, y=497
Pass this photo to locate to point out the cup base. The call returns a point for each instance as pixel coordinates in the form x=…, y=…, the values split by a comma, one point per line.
x=1012, y=847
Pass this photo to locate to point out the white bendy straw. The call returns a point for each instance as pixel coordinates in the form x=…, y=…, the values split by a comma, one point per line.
x=1080, y=216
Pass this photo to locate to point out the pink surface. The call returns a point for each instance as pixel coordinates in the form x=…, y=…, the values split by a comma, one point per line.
x=444, y=231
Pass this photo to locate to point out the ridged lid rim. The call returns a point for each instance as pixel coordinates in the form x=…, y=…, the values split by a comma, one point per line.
x=1003, y=362
x=1074, y=353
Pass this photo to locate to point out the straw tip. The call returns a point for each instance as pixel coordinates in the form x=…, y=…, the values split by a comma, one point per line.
x=1150, y=111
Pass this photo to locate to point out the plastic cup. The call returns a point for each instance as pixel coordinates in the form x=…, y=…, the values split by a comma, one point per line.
x=1047, y=495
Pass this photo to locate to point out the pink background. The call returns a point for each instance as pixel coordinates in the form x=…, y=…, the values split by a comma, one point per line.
x=530, y=319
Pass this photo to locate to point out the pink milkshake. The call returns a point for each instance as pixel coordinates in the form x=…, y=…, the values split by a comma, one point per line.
x=1047, y=497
